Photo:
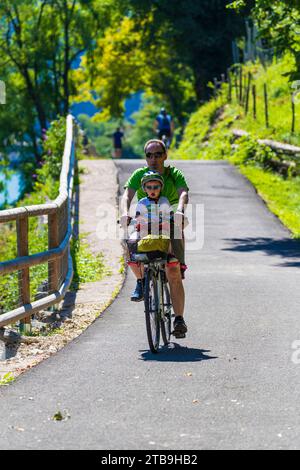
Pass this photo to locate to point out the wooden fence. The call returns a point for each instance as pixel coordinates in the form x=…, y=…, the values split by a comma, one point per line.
x=58, y=257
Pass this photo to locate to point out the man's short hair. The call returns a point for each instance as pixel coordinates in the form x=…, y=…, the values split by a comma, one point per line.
x=155, y=141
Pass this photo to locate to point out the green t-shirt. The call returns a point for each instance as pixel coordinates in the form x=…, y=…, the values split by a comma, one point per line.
x=173, y=179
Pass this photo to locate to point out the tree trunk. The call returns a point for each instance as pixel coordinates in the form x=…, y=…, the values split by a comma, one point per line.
x=203, y=93
x=35, y=99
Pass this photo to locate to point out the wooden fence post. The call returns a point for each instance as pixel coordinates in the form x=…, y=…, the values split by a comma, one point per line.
x=236, y=86
x=254, y=100
x=215, y=87
x=248, y=93
x=53, y=242
x=293, y=115
x=24, y=278
x=266, y=105
x=229, y=86
x=241, y=86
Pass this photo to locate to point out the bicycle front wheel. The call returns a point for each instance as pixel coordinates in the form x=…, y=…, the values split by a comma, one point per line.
x=166, y=320
x=152, y=311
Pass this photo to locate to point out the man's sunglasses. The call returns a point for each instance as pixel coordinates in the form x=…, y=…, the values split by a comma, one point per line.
x=154, y=154
x=155, y=186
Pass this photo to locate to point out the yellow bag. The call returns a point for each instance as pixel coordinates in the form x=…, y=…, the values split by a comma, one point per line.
x=154, y=243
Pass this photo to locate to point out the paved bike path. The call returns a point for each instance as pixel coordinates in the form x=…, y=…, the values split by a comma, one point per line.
x=230, y=384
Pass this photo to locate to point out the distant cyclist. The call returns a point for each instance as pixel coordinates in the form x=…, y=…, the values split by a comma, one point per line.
x=164, y=126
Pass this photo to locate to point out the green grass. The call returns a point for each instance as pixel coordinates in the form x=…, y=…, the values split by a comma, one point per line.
x=88, y=267
x=280, y=109
x=281, y=195
x=7, y=379
x=208, y=135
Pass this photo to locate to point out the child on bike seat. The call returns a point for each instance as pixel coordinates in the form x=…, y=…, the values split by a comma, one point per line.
x=154, y=215
x=153, y=212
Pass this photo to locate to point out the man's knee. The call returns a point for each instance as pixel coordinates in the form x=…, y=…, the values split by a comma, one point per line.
x=173, y=271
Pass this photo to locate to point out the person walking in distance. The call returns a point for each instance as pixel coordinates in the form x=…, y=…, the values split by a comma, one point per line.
x=117, y=143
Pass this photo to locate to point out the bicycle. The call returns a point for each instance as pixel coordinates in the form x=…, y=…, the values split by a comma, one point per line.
x=157, y=300
x=165, y=136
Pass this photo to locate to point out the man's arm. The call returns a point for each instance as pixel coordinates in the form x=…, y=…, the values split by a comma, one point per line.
x=179, y=217
x=125, y=205
x=183, y=199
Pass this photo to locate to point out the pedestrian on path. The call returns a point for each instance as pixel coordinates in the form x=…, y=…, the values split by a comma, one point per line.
x=117, y=143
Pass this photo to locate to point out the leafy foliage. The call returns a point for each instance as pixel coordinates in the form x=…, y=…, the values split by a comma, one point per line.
x=198, y=33
x=88, y=267
x=125, y=62
x=45, y=187
x=40, y=42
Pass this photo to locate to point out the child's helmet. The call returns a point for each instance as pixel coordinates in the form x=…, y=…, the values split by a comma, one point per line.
x=152, y=176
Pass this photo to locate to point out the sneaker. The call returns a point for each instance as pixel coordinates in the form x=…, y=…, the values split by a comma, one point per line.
x=180, y=327
x=138, y=294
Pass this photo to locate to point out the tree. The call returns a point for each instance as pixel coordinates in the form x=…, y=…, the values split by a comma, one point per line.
x=199, y=32
x=40, y=41
x=125, y=62
x=279, y=25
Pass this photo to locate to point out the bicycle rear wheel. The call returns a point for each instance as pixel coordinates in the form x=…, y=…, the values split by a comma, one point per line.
x=152, y=311
x=166, y=320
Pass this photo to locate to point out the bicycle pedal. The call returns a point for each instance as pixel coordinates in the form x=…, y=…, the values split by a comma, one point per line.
x=179, y=335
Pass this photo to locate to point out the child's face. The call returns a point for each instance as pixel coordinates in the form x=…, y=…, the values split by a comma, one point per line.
x=153, y=189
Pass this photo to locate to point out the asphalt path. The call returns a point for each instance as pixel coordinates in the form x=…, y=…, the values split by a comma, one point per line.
x=233, y=383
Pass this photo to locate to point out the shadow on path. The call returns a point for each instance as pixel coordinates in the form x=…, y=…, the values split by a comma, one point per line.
x=177, y=353
x=284, y=247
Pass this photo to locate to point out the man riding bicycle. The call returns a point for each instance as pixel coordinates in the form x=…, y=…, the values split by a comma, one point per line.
x=163, y=125
x=175, y=189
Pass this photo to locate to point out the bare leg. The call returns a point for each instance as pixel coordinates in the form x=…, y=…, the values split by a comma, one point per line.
x=138, y=270
x=118, y=153
x=176, y=289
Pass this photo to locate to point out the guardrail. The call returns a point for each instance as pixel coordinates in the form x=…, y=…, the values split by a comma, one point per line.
x=58, y=257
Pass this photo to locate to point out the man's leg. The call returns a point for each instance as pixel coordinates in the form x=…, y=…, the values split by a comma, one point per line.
x=118, y=153
x=138, y=271
x=176, y=288
x=178, y=297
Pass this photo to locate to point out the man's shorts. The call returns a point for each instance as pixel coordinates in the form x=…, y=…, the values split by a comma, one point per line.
x=175, y=256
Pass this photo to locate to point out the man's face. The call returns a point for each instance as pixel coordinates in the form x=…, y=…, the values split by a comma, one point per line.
x=155, y=157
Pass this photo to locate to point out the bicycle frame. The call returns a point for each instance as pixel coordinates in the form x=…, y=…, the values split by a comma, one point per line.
x=159, y=272
x=161, y=321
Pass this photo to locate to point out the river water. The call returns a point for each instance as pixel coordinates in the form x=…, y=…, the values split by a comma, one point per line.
x=13, y=187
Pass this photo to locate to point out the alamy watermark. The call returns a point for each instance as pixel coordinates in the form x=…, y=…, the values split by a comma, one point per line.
x=2, y=92
x=193, y=232
x=296, y=354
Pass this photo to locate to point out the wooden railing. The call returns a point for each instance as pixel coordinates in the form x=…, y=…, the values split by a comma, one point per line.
x=58, y=257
